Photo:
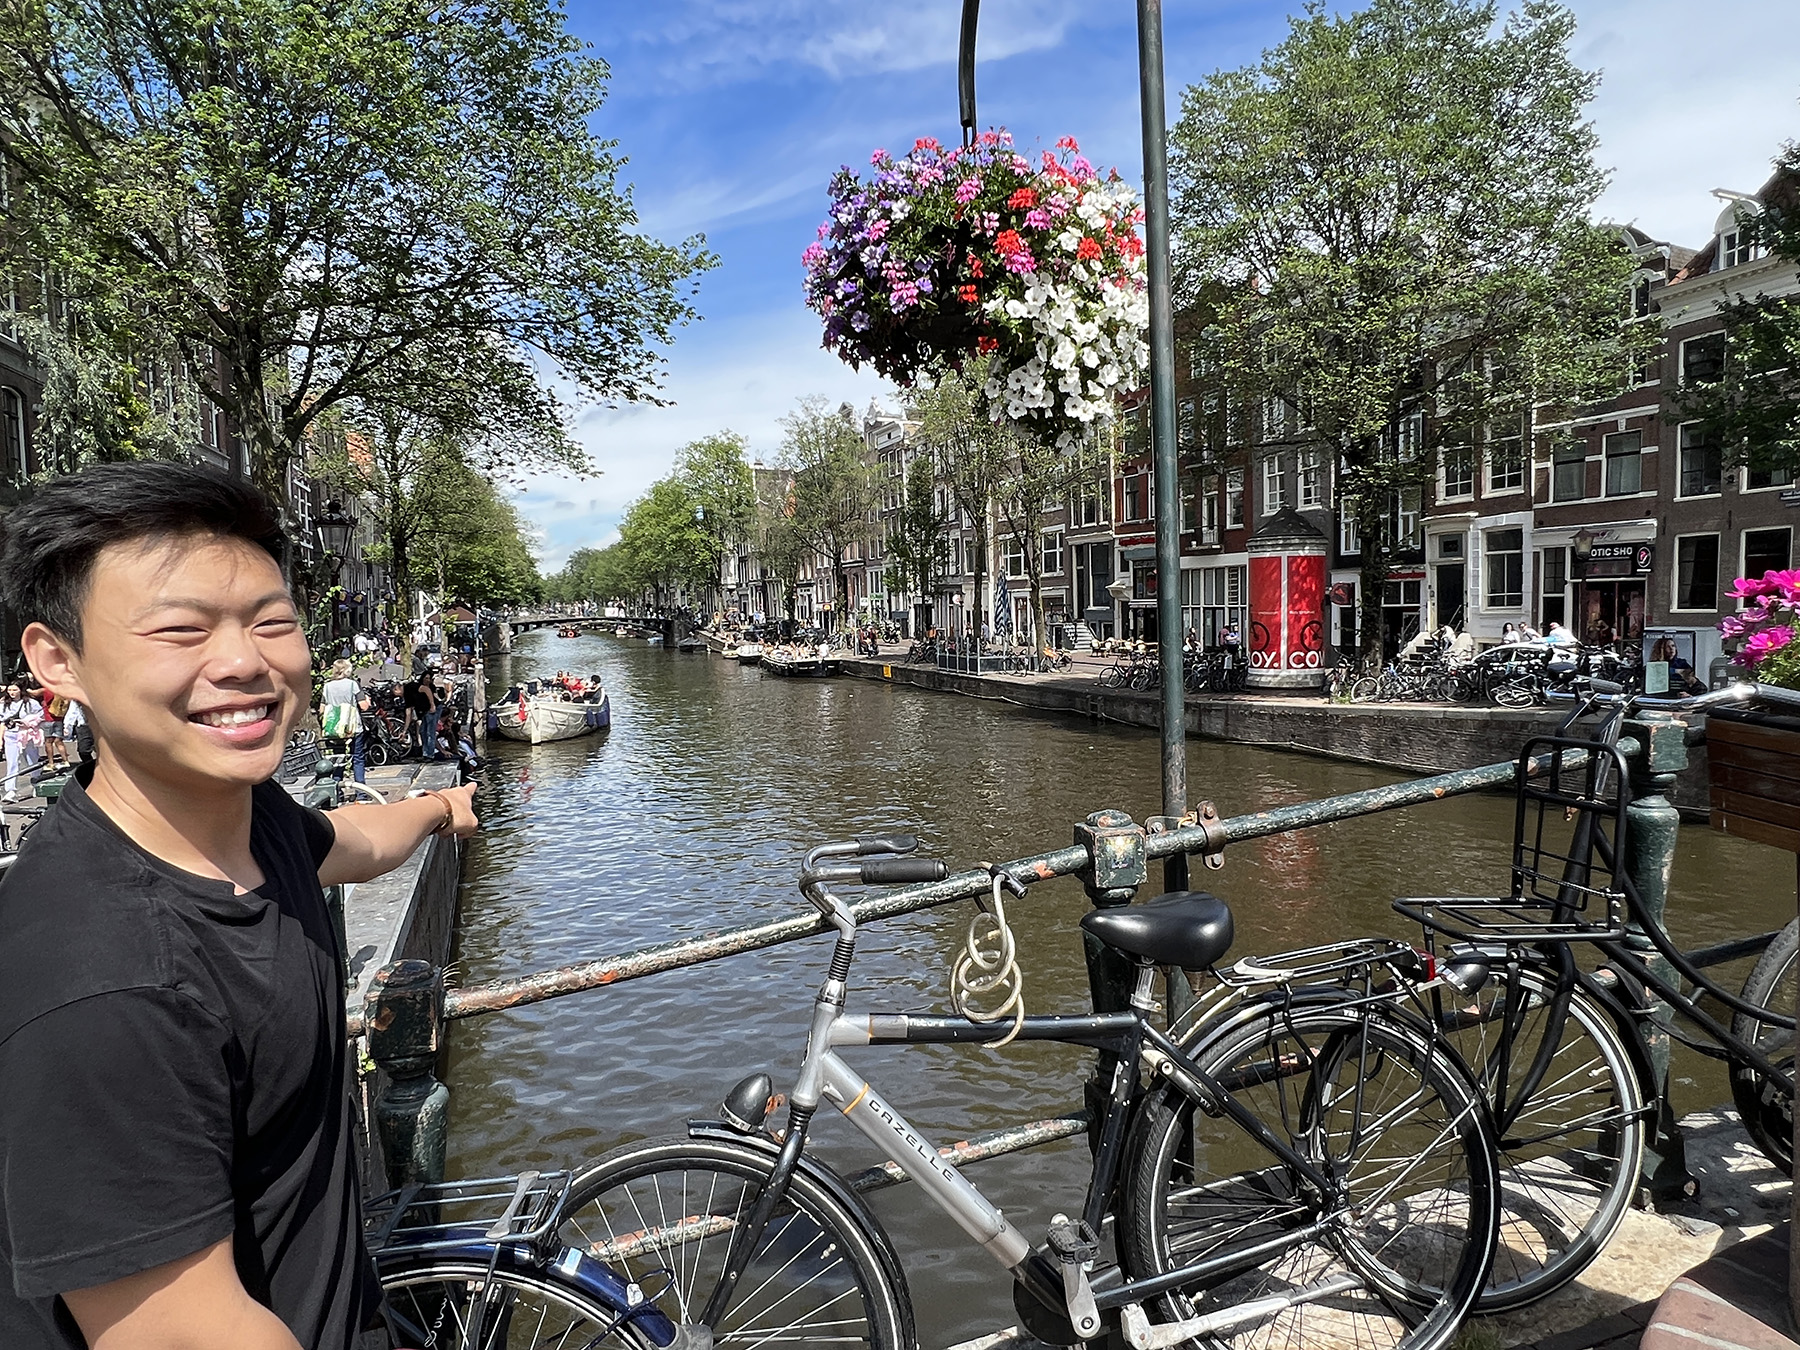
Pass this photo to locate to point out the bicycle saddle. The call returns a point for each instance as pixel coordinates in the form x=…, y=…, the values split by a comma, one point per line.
x=1190, y=929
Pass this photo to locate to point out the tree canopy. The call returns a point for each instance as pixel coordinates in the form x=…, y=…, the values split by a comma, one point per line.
x=1389, y=215
x=381, y=204
x=832, y=491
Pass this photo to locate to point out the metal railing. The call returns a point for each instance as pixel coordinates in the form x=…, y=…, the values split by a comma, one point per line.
x=408, y=1006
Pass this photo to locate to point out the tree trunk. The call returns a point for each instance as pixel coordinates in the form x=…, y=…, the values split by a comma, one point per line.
x=1372, y=579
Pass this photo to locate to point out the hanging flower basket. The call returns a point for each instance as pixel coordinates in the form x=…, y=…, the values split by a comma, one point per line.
x=948, y=254
x=1753, y=757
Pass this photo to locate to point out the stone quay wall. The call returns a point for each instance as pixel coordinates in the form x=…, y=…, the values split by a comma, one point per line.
x=1413, y=738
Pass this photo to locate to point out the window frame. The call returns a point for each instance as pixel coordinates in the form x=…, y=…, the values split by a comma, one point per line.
x=1491, y=599
x=1746, y=486
x=1686, y=343
x=1675, y=596
x=1744, y=548
x=1274, y=484
x=1559, y=460
x=1465, y=457
x=1608, y=458
x=1310, y=480
x=1681, y=471
x=1234, y=499
x=1515, y=479
x=1045, y=557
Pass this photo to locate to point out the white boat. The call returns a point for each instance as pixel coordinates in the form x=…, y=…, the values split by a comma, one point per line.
x=749, y=653
x=801, y=661
x=539, y=712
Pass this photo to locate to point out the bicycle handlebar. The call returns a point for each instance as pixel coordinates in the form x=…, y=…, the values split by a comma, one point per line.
x=899, y=871
x=886, y=843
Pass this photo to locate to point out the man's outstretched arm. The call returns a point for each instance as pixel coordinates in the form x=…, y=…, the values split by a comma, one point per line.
x=373, y=840
x=195, y=1303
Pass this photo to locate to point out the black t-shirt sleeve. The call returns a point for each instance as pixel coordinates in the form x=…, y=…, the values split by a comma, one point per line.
x=116, y=1131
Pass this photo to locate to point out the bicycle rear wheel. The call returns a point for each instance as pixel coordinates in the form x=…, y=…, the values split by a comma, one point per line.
x=1392, y=1258
x=821, y=1273
x=1766, y=1111
x=451, y=1304
x=1571, y=1151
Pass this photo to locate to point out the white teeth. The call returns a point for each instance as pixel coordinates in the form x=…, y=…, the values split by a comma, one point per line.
x=236, y=717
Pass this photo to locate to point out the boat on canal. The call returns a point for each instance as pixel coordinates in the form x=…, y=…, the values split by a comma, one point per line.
x=802, y=661
x=747, y=653
x=550, y=710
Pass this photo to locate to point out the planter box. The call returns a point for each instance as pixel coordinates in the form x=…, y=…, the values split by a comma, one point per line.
x=1753, y=770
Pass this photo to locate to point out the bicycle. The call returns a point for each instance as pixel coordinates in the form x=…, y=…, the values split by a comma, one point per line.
x=330, y=788
x=1353, y=1195
x=475, y=1265
x=1555, y=1047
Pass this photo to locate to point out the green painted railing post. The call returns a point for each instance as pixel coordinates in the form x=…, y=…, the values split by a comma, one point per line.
x=1118, y=865
x=1652, y=825
x=404, y=1014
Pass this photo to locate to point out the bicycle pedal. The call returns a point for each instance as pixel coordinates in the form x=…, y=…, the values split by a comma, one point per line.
x=1076, y=1246
x=1072, y=1241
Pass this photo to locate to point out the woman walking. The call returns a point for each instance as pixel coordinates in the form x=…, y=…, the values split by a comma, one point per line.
x=342, y=704
x=23, y=719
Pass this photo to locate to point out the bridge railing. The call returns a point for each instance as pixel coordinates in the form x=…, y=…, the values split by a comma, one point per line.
x=408, y=1006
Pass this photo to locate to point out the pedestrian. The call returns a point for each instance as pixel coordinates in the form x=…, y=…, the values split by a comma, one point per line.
x=430, y=713
x=343, y=703
x=1557, y=635
x=417, y=703
x=1509, y=635
x=175, y=1131
x=76, y=728
x=56, y=753
x=23, y=719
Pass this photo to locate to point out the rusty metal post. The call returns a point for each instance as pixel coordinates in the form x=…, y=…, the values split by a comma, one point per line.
x=404, y=1016
x=1652, y=825
x=1118, y=864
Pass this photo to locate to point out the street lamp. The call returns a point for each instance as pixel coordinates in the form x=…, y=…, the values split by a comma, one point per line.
x=334, y=530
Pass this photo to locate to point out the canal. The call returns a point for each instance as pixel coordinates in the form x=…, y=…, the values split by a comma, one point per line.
x=692, y=815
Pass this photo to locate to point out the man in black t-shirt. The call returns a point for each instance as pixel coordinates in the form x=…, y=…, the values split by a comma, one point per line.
x=175, y=1134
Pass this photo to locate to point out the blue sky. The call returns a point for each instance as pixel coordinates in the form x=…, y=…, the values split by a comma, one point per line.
x=735, y=113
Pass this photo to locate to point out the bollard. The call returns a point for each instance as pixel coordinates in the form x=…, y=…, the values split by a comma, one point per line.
x=1117, y=865
x=404, y=1013
x=1652, y=826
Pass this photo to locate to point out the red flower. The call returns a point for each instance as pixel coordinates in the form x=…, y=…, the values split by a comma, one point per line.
x=987, y=344
x=975, y=267
x=966, y=294
x=1022, y=200
x=1087, y=250
x=1007, y=243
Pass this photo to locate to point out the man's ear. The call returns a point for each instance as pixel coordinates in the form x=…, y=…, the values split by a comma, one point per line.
x=52, y=659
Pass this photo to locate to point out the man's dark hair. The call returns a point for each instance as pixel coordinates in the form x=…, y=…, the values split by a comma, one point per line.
x=52, y=540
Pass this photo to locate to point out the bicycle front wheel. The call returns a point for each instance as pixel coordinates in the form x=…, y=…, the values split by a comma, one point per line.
x=1571, y=1149
x=1765, y=1109
x=820, y=1273
x=451, y=1304
x=1390, y=1257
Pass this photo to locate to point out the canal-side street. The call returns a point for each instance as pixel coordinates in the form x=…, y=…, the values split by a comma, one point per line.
x=692, y=813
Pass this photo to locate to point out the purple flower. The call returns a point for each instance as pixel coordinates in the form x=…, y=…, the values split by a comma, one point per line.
x=1037, y=220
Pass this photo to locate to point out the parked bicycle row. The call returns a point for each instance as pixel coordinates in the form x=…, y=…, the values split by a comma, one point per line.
x=1363, y=1142
x=1517, y=675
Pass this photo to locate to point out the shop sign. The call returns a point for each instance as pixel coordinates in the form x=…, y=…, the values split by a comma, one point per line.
x=1791, y=497
x=1620, y=560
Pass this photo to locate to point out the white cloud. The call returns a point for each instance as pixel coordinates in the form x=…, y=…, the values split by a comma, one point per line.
x=745, y=376
x=1692, y=99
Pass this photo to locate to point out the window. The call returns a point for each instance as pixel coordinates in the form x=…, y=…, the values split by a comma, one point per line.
x=1702, y=466
x=1568, y=471
x=1505, y=457
x=1450, y=546
x=12, y=434
x=1209, y=510
x=1553, y=568
x=1012, y=556
x=1221, y=601
x=1411, y=436
x=1053, y=553
x=1735, y=249
x=1403, y=520
x=1275, y=418
x=1234, y=499
x=1505, y=569
x=1349, y=536
x=1134, y=497
x=1624, y=463
x=1697, y=572
x=1456, y=473
x=1188, y=523
x=1184, y=422
x=1274, y=485
x=1091, y=510
x=1703, y=359
x=1757, y=479
x=1312, y=480
x=1640, y=295
x=1766, y=550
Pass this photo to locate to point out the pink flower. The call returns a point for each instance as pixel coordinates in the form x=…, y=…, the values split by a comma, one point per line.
x=814, y=255
x=1068, y=143
x=878, y=157
x=967, y=190
x=1037, y=220
x=877, y=228
x=927, y=143
x=1768, y=642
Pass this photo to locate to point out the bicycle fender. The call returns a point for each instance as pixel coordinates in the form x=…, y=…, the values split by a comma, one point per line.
x=826, y=1179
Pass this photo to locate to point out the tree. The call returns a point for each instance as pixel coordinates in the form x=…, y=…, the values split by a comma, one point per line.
x=832, y=491
x=479, y=553
x=340, y=207
x=916, y=546
x=1752, y=407
x=717, y=476
x=1039, y=478
x=592, y=574
x=664, y=545
x=1389, y=216
x=971, y=453
x=780, y=545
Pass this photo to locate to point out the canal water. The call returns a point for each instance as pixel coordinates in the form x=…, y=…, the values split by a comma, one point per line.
x=692, y=814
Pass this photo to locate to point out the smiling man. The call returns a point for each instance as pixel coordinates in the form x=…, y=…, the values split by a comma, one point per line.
x=176, y=1144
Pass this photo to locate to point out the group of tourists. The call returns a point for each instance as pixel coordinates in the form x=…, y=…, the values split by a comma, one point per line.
x=39, y=726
